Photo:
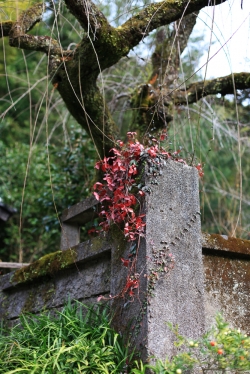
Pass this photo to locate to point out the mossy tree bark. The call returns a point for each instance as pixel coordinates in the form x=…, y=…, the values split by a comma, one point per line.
x=75, y=73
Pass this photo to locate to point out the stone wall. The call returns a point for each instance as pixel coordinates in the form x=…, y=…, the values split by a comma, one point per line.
x=211, y=273
x=227, y=279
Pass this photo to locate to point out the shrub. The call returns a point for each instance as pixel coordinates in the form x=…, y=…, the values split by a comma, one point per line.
x=220, y=350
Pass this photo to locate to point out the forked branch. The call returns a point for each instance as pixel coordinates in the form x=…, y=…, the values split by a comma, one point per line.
x=169, y=46
x=75, y=73
x=154, y=106
x=117, y=42
x=160, y=14
x=17, y=32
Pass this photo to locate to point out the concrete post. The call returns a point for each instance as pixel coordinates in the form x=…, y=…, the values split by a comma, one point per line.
x=172, y=226
x=73, y=218
x=70, y=235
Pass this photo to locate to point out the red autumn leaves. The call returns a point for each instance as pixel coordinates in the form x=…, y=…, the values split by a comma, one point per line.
x=119, y=178
x=200, y=170
x=130, y=286
x=115, y=193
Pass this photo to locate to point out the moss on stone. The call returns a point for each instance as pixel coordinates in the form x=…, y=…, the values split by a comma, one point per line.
x=29, y=303
x=46, y=265
x=117, y=236
x=229, y=244
x=96, y=244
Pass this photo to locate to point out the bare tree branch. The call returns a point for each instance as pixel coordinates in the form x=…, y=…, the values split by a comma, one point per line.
x=89, y=16
x=108, y=43
x=19, y=38
x=159, y=14
x=5, y=28
x=154, y=105
x=111, y=43
x=223, y=85
x=169, y=46
x=26, y=21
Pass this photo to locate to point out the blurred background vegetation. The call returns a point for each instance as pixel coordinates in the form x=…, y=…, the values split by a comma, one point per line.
x=47, y=160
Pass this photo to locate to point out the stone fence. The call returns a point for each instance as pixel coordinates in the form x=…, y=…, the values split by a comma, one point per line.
x=209, y=273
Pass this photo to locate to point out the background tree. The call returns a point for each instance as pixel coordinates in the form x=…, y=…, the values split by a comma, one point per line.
x=89, y=71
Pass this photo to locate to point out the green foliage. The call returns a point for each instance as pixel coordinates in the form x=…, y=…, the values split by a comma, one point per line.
x=52, y=185
x=77, y=340
x=219, y=350
x=80, y=340
x=10, y=9
x=208, y=131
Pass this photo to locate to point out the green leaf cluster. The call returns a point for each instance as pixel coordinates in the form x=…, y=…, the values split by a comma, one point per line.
x=220, y=350
x=10, y=9
x=78, y=339
x=56, y=177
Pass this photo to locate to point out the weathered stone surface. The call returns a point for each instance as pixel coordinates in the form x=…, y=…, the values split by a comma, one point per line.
x=49, y=265
x=75, y=217
x=81, y=212
x=87, y=275
x=70, y=236
x=173, y=216
x=239, y=248
x=227, y=279
x=227, y=285
x=173, y=222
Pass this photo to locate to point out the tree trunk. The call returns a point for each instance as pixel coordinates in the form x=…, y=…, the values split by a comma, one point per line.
x=74, y=73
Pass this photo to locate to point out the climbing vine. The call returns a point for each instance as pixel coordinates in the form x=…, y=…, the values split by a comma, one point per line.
x=121, y=189
x=121, y=192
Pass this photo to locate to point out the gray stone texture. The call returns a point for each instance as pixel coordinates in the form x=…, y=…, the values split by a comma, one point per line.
x=172, y=225
x=173, y=216
x=86, y=276
x=226, y=263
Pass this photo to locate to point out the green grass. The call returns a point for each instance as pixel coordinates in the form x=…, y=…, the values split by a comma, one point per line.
x=76, y=340
x=80, y=340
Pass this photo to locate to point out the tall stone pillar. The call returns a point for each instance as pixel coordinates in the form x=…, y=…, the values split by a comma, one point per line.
x=168, y=291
